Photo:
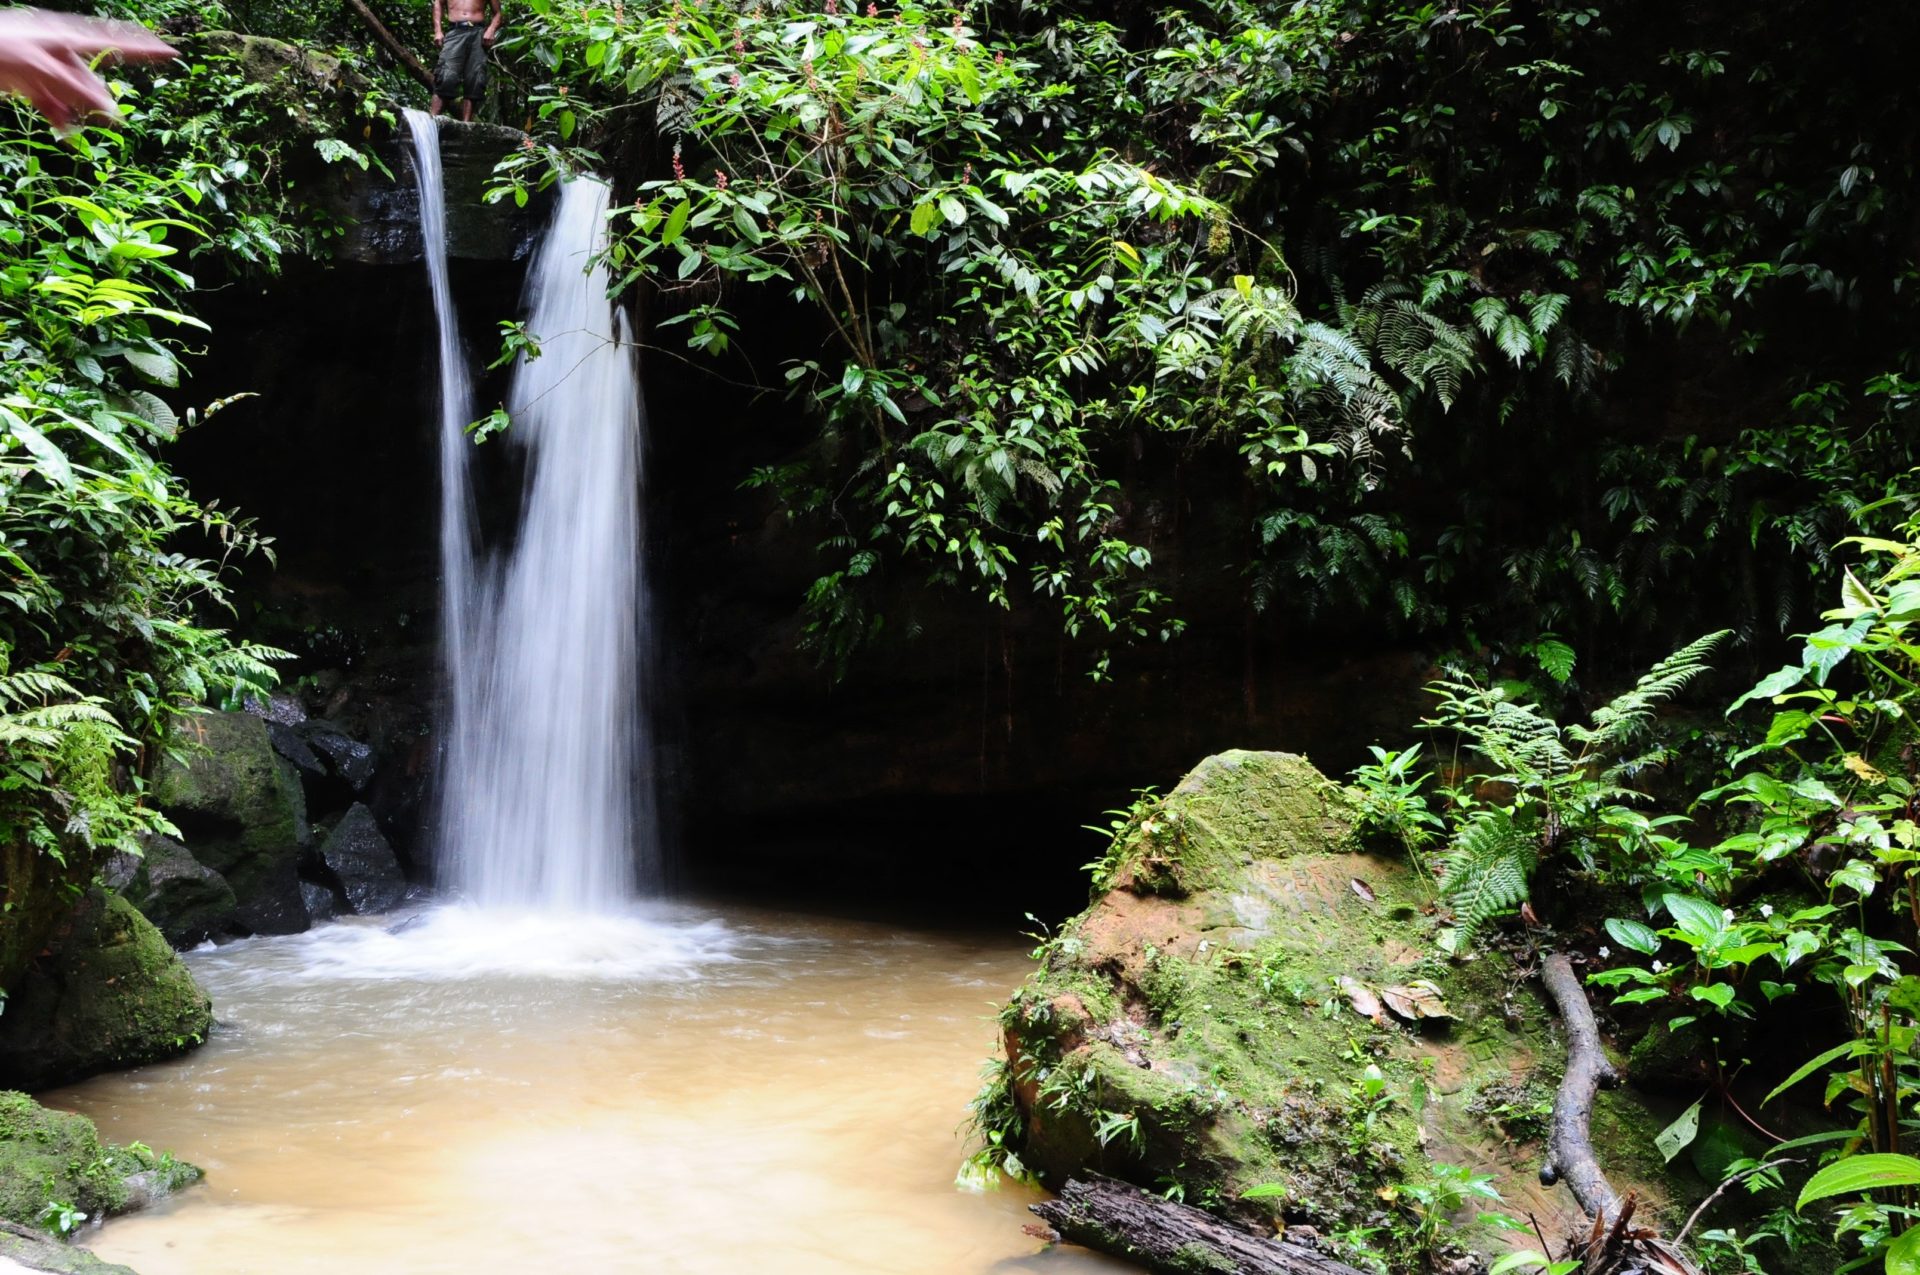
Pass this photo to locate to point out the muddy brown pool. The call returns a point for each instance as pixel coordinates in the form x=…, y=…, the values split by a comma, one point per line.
x=672, y=1090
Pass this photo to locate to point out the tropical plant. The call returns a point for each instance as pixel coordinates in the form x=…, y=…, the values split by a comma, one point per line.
x=1561, y=785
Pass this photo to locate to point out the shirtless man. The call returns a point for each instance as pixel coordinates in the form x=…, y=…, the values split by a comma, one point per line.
x=462, y=69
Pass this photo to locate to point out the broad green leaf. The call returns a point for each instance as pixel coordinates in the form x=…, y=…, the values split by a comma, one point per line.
x=676, y=223
x=1903, y=1255
x=1634, y=935
x=156, y=366
x=1775, y=683
x=1851, y=1049
x=1675, y=1138
x=48, y=459
x=1858, y=1174
x=1719, y=995
x=1694, y=915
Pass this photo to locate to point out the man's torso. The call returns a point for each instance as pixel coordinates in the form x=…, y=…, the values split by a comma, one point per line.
x=466, y=10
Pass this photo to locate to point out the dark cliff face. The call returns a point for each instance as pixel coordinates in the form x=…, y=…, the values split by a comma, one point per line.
x=959, y=755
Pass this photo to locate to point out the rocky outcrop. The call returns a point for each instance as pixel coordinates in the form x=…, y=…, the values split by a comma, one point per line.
x=188, y=901
x=52, y=1157
x=240, y=788
x=1254, y=999
x=384, y=208
x=356, y=853
x=111, y=993
x=242, y=812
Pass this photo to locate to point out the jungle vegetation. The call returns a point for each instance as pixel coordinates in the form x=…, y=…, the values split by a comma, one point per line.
x=1555, y=333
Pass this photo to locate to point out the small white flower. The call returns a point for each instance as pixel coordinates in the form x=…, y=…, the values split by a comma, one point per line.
x=1766, y=909
x=1605, y=951
x=1657, y=967
x=1726, y=914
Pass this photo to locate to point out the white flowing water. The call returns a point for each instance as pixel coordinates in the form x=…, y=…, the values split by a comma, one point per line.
x=546, y=787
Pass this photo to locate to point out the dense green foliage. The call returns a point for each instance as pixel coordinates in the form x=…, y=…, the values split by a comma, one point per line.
x=1778, y=904
x=114, y=574
x=1508, y=317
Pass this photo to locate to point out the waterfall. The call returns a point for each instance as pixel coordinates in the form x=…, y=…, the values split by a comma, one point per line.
x=546, y=797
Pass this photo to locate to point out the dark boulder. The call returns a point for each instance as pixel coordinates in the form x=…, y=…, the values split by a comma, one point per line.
x=356, y=852
x=185, y=899
x=322, y=903
x=111, y=993
x=285, y=710
x=287, y=742
x=347, y=758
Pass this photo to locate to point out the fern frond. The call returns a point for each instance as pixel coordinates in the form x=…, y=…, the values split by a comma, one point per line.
x=1485, y=874
x=1619, y=723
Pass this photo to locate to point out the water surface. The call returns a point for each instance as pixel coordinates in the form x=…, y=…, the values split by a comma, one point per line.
x=674, y=1090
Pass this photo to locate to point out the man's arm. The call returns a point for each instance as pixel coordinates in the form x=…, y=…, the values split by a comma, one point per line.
x=439, y=36
x=44, y=58
x=493, y=28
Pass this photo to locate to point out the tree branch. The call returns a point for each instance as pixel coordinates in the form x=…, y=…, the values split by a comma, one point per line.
x=401, y=53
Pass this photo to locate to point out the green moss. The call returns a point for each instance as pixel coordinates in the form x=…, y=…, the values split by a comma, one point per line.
x=1201, y=1260
x=242, y=806
x=49, y=1157
x=1197, y=1001
x=114, y=994
x=1231, y=808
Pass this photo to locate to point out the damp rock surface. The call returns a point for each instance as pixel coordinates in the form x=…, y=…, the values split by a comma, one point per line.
x=357, y=854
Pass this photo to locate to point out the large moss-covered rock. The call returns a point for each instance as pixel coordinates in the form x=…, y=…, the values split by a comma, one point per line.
x=1254, y=998
x=112, y=993
x=241, y=812
x=52, y=1157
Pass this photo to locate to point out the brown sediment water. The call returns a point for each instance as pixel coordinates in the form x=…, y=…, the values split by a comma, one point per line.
x=670, y=1090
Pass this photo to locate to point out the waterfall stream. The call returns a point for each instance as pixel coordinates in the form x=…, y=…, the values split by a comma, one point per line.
x=546, y=793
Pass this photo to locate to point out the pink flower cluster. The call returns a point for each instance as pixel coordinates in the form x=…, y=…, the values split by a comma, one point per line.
x=679, y=171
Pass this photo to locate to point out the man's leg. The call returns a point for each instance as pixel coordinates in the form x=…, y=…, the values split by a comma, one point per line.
x=436, y=106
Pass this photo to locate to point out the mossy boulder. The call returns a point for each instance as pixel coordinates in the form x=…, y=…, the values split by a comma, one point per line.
x=241, y=812
x=1189, y=1025
x=50, y=1157
x=1256, y=999
x=111, y=993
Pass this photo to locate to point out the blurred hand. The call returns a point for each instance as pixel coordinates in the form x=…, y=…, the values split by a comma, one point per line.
x=488, y=37
x=439, y=37
x=44, y=57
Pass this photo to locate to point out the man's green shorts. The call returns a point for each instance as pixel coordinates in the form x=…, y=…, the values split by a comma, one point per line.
x=462, y=69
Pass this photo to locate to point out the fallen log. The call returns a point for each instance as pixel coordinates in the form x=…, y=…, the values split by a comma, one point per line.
x=1612, y=1244
x=1175, y=1239
x=1570, y=1157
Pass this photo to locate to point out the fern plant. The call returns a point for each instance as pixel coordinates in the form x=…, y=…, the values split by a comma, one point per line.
x=1561, y=781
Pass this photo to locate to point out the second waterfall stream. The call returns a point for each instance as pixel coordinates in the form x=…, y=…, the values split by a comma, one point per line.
x=546, y=783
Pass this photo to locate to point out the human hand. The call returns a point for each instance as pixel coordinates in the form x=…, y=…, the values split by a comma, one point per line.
x=439, y=37
x=488, y=37
x=44, y=57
